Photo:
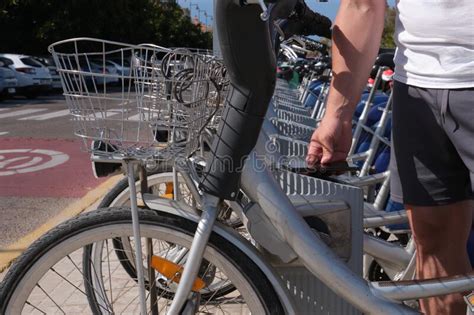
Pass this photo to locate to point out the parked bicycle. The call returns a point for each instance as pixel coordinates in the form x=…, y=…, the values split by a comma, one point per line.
x=300, y=266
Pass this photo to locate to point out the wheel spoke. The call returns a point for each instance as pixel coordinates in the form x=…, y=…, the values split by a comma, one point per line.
x=91, y=285
x=36, y=308
x=110, y=275
x=50, y=298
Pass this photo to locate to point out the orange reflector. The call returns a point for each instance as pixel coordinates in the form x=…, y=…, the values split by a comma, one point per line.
x=173, y=272
x=470, y=301
x=168, y=191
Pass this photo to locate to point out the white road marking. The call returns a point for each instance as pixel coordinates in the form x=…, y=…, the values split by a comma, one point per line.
x=22, y=112
x=97, y=116
x=111, y=113
x=47, y=115
x=134, y=117
x=33, y=162
x=6, y=162
x=2, y=133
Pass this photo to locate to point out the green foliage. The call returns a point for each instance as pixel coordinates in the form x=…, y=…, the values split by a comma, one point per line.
x=389, y=29
x=29, y=26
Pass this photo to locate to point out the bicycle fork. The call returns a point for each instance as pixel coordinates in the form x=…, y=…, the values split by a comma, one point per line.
x=196, y=252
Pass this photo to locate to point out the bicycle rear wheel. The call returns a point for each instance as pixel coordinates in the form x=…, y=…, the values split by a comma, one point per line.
x=161, y=184
x=48, y=277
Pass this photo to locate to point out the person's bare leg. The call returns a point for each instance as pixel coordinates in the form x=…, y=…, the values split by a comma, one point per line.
x=441, y=234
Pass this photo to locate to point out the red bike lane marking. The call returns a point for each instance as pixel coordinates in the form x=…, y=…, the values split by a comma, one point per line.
x=45, y=168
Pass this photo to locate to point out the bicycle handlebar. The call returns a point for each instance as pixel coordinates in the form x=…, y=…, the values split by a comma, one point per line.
x=300, y=21
x=304, y=21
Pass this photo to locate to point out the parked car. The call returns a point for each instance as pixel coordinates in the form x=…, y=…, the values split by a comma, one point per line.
x=33, y=78
x=122, y=66
x=49, y=63
x=8, y=81
x=97, y=67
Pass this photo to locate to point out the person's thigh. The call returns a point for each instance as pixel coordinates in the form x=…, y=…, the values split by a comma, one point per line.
x=426, y=169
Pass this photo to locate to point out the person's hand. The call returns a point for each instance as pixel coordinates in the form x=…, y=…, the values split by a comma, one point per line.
x=330, y=142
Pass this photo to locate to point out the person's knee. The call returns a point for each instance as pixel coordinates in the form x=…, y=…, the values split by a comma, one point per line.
x=429, y=242
x=440, y=229
x=433, y=242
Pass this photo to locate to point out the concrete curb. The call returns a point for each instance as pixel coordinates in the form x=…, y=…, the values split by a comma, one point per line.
x=8, y=254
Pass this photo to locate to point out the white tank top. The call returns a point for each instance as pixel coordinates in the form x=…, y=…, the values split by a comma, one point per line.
x=435, y=40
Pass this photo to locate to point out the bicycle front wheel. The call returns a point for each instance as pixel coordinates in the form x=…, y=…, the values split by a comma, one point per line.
x=48, y=277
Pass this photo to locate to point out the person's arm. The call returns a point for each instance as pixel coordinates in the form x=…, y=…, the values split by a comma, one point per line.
x=356, y=38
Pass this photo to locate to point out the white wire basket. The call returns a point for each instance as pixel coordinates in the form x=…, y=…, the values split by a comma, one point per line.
x=136, y=101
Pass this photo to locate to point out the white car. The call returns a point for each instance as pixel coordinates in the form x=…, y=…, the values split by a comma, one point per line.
x=8, y=81
x=121, y=69
x=49, y=63
x=33, y=78
x=109, y=72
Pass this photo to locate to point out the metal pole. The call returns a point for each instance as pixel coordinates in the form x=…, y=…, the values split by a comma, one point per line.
x=136, y=236
x=365, y=112
x=215, y=36
x=151, y=278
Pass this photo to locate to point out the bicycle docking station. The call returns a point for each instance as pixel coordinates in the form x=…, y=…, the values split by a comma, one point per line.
x=333, y=211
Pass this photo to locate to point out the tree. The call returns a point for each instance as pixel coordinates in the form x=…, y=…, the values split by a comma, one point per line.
x=389, y=28
x=29, y=26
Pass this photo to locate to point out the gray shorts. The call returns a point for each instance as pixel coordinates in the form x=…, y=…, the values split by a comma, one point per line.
x=432, y=158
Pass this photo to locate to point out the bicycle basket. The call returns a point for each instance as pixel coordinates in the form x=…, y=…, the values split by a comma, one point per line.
x=142, y=101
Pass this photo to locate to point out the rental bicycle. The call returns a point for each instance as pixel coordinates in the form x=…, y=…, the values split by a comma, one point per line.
x=295, y=270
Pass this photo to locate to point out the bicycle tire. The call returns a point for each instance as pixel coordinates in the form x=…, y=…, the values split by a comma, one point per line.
x=72, y=235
